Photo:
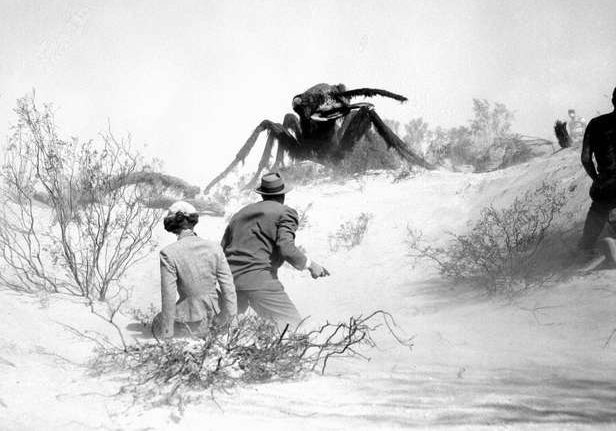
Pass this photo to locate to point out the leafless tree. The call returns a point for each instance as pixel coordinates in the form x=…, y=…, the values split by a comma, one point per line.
x=97, y=222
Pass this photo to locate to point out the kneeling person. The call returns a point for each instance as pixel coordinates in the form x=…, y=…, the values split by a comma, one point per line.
x=258, y=240
x=193, y=267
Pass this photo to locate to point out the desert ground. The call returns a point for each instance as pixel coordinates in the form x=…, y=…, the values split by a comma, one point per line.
x=541, y=360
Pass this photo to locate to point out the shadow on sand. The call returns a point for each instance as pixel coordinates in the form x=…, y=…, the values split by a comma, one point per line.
x=521, y=397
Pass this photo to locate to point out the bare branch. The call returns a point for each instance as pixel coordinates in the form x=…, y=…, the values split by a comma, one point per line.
x=250, y=350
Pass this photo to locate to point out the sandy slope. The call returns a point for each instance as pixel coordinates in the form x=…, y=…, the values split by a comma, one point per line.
x=538, y=362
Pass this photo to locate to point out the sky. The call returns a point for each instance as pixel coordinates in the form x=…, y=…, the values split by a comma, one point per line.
x=189, y=80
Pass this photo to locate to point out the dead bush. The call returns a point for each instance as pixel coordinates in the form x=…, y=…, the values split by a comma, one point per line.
x=304, y=172
x=506, y=250
x=251, y=350
x=302, y=217
x=145, y=317
x=222, y=195
x=350, y=233
x=96, y=224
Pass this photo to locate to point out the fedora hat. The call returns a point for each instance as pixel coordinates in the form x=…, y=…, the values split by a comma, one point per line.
x=272, y=184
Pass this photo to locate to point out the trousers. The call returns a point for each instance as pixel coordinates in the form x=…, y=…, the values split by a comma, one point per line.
x=271, y=303
x=197, y=329
x=599, y=213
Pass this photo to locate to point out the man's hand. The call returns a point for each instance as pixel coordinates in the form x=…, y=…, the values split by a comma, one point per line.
x=317, y=270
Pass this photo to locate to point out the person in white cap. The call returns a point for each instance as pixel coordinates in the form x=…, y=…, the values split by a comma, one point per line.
x=197, y=270
x=576, y=127
x=258, y=240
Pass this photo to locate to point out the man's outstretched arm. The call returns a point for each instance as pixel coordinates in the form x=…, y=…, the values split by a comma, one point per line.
x=285, y=239
x=286, y=243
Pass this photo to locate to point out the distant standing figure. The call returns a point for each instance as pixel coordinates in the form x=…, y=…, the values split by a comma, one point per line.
x=576, y=127
x=600, y=142
x=258, y=240
x=192, y=267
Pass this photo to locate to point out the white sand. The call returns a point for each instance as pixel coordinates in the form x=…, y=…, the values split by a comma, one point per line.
x=537, y=362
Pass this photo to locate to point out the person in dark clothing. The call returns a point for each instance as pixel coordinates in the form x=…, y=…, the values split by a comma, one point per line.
x=258, y=240
x=600, y=142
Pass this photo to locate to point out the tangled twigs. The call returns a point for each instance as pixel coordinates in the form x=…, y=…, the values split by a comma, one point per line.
x=507, y=250
x=250, y=350
x=343, y=339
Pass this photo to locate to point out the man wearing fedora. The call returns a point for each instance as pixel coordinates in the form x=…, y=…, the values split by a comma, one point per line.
x=258, y=240
x=195, y=269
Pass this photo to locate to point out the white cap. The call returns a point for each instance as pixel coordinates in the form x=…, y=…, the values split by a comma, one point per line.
x=181, y=207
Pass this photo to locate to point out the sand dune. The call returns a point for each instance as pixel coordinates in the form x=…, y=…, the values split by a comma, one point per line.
x=540, y=361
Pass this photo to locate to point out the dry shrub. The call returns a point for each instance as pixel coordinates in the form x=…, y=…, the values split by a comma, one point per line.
x=145, y=317
x=403, y=174
x=222, y=195
x=304, y=172
x=203, y=206
x=251, y=350
x=97, y=225
x=302, y=217
x=506, y=250
x=486, y=144
x=350, y=233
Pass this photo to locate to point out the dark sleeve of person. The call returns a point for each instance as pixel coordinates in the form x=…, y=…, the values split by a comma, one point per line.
x=285, y=239
x=587, y=152
x=225, y=239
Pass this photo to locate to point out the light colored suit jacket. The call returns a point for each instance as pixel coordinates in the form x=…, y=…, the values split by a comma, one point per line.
x=194, y=267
